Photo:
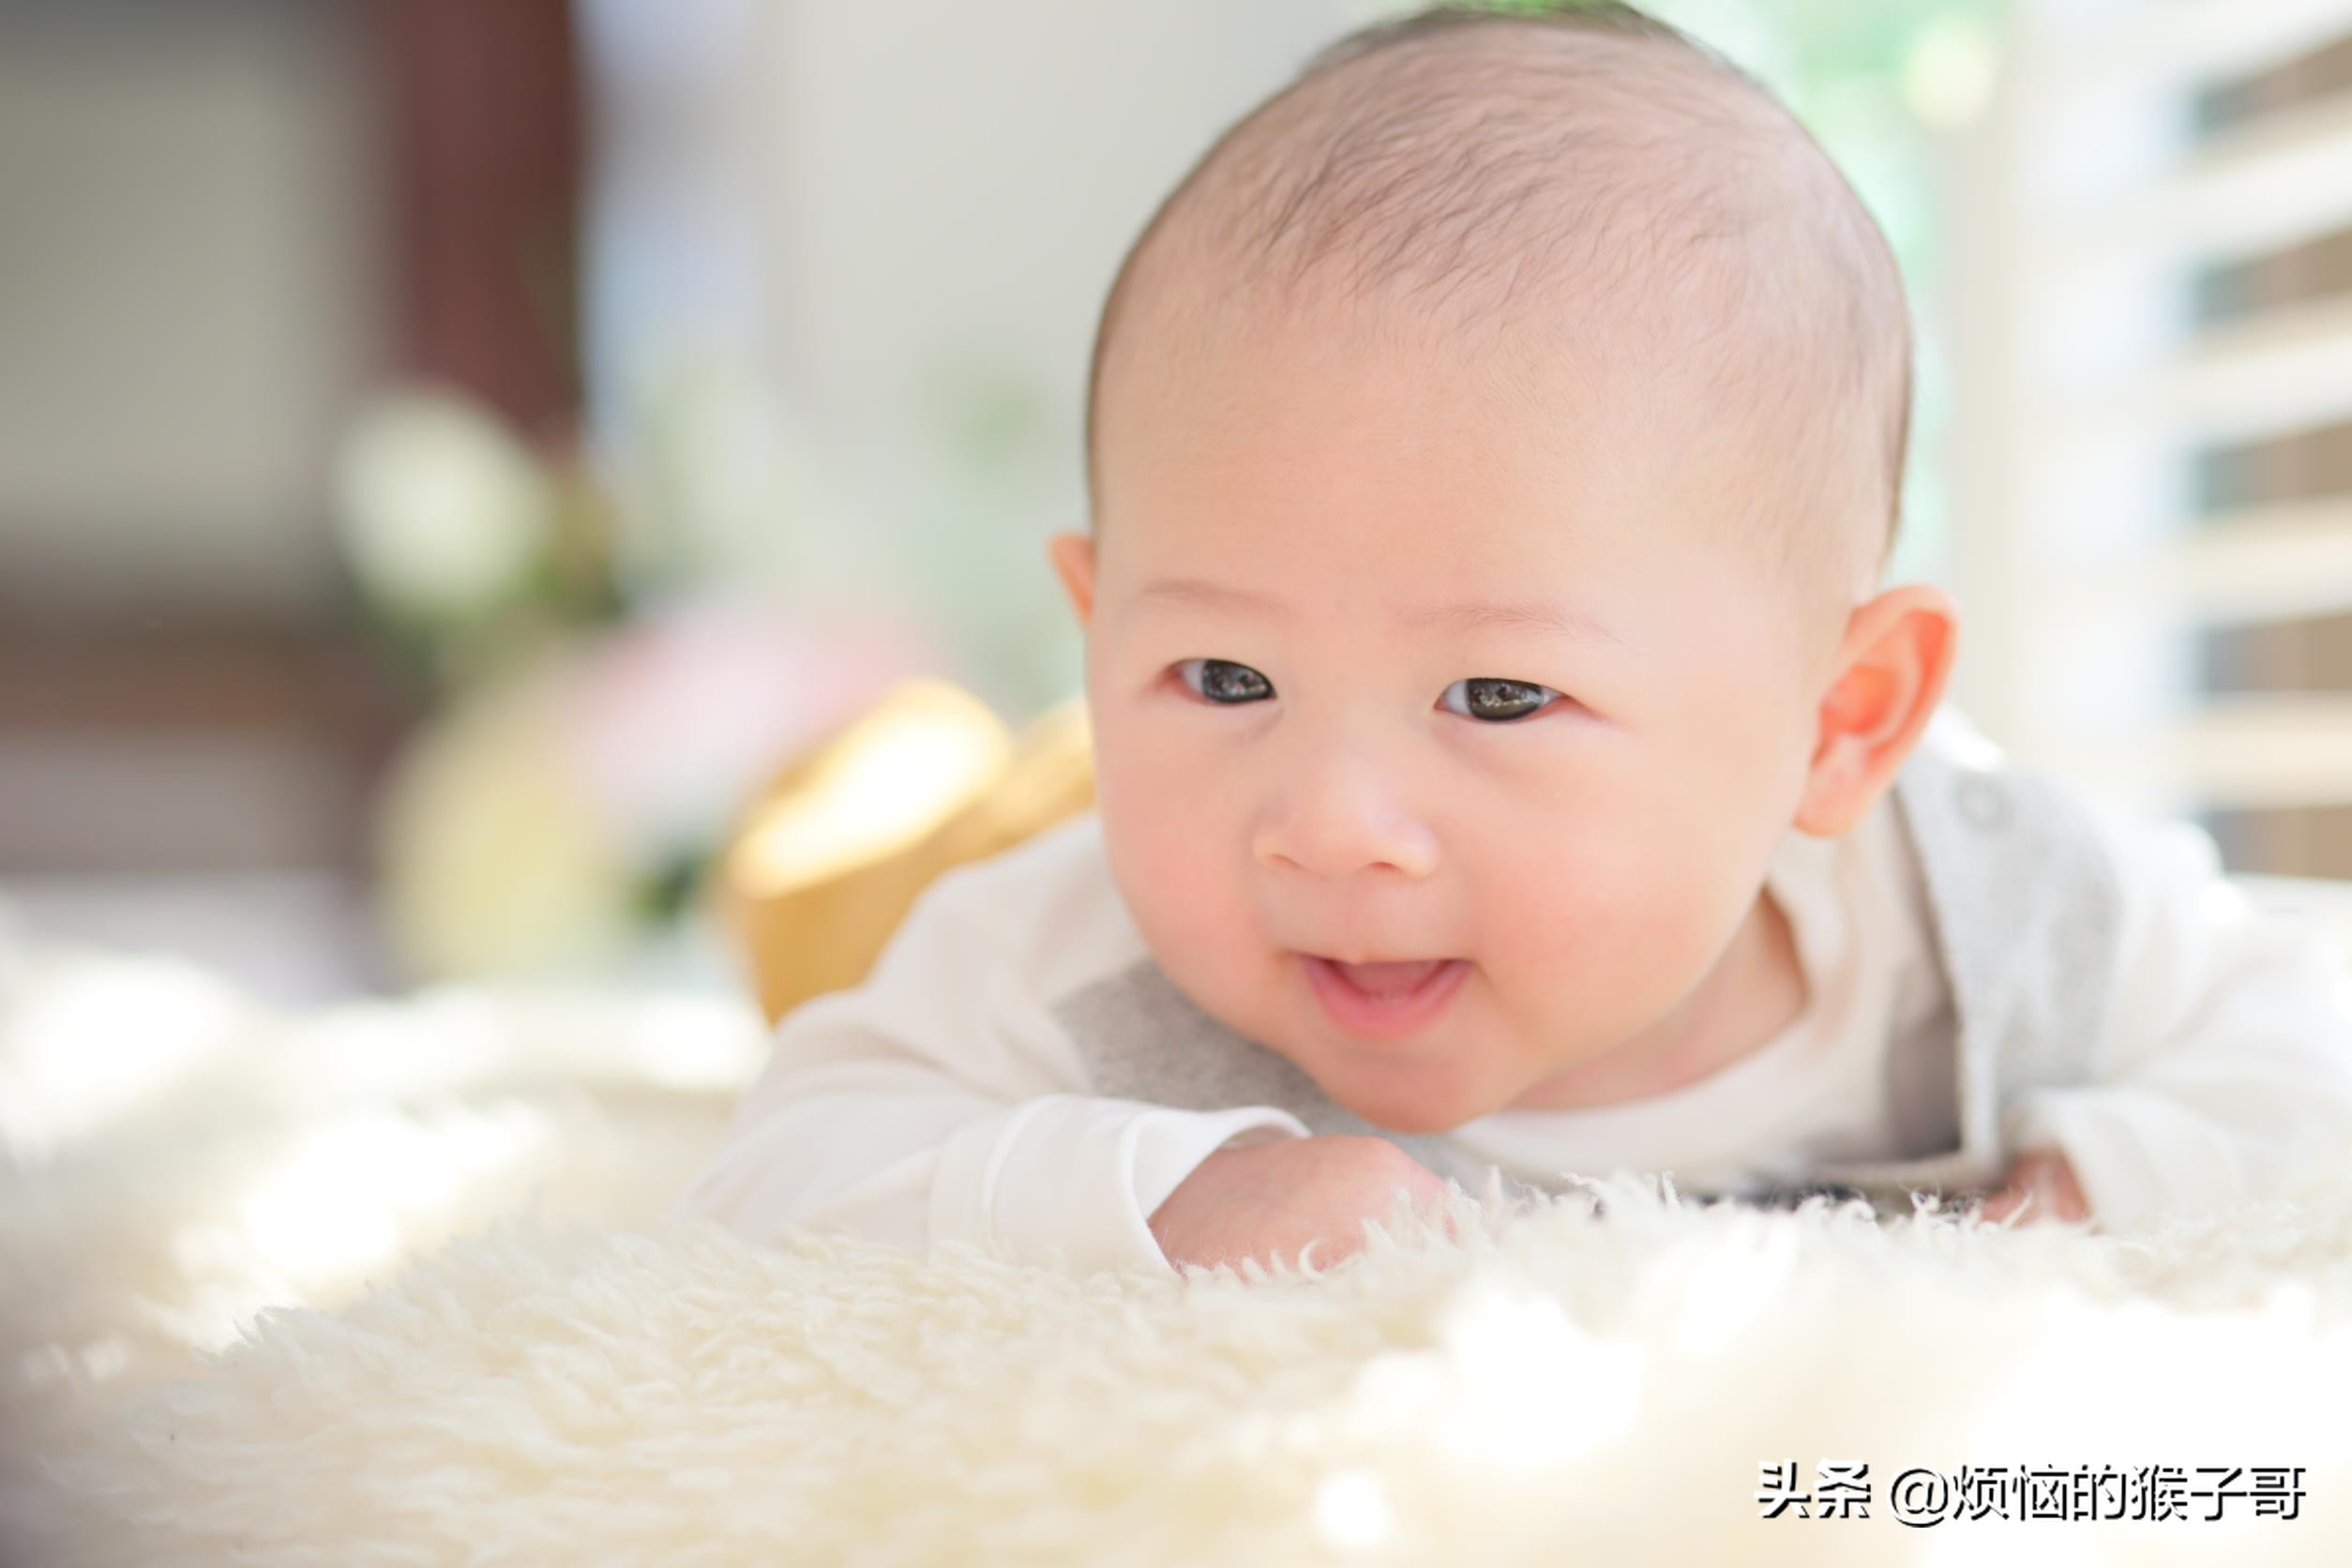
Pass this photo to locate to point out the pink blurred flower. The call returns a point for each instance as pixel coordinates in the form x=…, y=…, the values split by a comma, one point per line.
x=675, y=719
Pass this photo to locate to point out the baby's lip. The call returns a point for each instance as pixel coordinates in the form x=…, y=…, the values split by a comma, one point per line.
x=1388, y=1002
x=1386, y=976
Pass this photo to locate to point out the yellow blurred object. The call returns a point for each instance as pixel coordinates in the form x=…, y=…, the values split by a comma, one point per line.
x=833, y=852
x=494, y=858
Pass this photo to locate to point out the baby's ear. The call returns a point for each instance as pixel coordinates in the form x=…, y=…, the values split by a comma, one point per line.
x=1073, y=558
x=1890, y=675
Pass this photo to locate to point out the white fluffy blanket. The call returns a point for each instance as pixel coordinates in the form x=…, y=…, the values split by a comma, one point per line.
x=387, y=1284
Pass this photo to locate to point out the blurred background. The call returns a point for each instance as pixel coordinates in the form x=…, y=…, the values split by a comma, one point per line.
x=450, y=452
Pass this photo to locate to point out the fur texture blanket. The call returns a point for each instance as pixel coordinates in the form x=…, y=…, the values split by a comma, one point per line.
x=388, y=1285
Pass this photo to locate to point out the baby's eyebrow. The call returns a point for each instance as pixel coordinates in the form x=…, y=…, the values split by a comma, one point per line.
x=1461, y=615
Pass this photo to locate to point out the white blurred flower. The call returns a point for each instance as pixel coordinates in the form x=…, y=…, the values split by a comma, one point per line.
x=442, y=510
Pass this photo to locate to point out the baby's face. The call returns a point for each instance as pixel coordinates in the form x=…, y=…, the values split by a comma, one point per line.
x=1393, y=653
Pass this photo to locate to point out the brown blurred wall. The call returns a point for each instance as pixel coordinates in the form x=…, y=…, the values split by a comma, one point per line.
x=246, y=212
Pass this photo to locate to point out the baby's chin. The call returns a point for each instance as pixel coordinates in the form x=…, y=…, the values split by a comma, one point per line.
x=1408, y=1092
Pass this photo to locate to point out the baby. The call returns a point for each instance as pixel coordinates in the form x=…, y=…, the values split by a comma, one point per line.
x=1507, y=763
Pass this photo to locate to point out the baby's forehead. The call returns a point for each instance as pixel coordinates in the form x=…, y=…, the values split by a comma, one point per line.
x=1413, y=450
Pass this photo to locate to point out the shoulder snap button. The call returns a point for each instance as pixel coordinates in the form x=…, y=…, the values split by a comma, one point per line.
x=1981, y=802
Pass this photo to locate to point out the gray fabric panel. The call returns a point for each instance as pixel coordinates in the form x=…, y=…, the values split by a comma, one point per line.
x=1143, y=1039
x=2026, y=914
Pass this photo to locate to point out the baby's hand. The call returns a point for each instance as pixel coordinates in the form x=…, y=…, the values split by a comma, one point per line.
x=2045, y=1177
x=1257, y=1199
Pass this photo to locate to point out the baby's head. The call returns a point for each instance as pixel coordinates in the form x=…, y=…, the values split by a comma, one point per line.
x=1494, y=447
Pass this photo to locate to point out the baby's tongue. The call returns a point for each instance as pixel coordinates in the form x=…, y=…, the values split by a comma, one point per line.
x=1390, y=979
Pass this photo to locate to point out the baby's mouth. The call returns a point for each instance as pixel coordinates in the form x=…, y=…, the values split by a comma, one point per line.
x=1392, y=1000
x=1388, y=979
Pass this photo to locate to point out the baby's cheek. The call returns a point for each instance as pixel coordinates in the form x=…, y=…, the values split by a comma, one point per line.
x=1605, y=922
x=1568, y=894
x=1197, y=906
x=1181, y=887
x=1162, y=868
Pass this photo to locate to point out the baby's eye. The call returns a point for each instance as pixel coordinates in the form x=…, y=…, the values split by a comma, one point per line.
x=1225, y=682
x=1500, y=700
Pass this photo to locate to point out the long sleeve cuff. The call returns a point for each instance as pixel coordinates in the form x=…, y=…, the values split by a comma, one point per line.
x=1080, y=1175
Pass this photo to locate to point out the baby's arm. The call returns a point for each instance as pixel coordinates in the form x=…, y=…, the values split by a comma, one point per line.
x=2225, y=1072
x=939, y=1101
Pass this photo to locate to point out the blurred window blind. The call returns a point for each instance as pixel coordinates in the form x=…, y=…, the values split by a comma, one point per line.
x=2158, y=576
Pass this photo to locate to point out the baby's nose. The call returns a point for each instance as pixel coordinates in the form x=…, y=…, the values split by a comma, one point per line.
x=1336, y=841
